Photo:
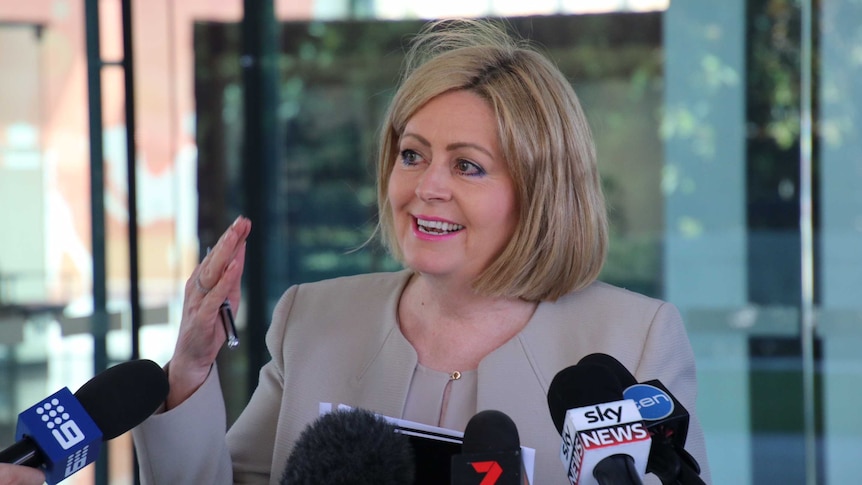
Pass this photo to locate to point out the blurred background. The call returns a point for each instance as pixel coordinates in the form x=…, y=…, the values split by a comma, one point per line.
x=133, y=132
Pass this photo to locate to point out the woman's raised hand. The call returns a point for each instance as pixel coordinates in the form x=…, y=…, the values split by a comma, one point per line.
x=202, y=333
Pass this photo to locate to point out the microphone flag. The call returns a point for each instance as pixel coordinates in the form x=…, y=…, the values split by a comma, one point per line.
x=67, y=436
x=592, y=433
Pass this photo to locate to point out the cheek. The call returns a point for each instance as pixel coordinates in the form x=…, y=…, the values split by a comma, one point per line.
x=508, y=204
x=401, y=188
x=392, y=185
x=398, y=192
x=498, y=218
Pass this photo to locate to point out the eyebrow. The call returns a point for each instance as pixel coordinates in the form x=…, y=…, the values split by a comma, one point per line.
x=451, y=146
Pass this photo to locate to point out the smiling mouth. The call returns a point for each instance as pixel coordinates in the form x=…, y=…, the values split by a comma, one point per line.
x=437, y=228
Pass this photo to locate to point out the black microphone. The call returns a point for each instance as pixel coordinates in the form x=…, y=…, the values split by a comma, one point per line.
x=490, y=452
x=667, y=421
x=605, y=441
x=63, y=433
x=350, y=447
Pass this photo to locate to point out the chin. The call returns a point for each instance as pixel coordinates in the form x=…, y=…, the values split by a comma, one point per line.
x=426, y=267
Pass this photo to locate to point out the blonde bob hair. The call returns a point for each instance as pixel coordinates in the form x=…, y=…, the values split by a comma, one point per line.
x=561, y=238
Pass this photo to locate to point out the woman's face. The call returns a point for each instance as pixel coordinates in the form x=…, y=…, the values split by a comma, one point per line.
x=452, y=198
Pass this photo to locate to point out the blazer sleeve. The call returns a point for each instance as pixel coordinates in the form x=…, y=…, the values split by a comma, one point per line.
x=186, y=444
x=668, y=356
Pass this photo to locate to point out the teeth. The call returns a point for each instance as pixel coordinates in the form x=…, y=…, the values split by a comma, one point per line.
x=437, y=227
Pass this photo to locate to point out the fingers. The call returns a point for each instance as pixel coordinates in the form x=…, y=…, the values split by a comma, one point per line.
x=233, y=274
x=20, y=475
x=216, y=278
x=210, y=279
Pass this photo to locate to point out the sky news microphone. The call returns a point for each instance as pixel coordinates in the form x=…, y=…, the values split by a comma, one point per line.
x=605, y=441
x=490, y=453
x=667, y=421
x=63, y=433
x=350, y=447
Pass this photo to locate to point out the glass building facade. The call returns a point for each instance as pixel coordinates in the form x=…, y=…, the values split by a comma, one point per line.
x=726, y=136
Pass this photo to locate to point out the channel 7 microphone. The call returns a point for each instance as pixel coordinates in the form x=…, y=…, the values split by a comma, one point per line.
x=667, y=421
x=490, y=453
x=63, y=433
x=605, y=441
x=350, y=447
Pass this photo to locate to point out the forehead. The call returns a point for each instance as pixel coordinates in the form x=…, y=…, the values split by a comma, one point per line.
x=455, y=114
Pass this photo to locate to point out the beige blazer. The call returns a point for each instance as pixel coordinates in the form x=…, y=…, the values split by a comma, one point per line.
x=338, y=341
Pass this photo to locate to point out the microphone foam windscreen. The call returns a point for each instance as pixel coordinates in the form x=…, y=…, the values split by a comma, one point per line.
x=350, y=447
x=123, y=396
x=616, y=367
x=578, y=386
x=490, y=430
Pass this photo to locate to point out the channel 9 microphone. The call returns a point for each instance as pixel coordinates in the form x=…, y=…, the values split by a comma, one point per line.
x=667, y=421
x=350, y=447
x=490, y=452
x=605, y=441
x=63, y=433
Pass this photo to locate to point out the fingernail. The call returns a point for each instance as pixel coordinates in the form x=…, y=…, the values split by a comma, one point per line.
x=236, y=221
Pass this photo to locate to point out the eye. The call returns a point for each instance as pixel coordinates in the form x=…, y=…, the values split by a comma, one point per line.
x=467, y=167
x=410, y=157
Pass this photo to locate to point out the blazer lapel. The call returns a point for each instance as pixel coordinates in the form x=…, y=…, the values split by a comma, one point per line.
x=382, y=383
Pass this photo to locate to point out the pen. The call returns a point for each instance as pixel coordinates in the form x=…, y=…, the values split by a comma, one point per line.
x=229, y=326
x=226, y=314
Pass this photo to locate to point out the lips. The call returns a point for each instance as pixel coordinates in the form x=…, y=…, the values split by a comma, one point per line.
x=437, y=228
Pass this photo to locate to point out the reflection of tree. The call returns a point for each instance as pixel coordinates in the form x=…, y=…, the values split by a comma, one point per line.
x=773, y=149
x=773, y=103
x=634, y=258
x=840, y=78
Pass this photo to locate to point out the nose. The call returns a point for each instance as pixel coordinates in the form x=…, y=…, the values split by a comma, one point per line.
x=434, y=184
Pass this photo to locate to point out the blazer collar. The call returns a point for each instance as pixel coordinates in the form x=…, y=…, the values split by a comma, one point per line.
x=385, y=377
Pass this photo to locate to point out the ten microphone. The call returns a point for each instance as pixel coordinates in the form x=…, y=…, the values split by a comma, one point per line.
x=490, y=453
x=666, y=419
x=605, y=441
x=350, y=447
x=63, y=433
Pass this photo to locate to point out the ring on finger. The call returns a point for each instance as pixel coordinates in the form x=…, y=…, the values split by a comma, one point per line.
x=200, y=287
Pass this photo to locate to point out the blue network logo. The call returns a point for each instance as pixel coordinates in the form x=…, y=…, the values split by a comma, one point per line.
x=653, y=403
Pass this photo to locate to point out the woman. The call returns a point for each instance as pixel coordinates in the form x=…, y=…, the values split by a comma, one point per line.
x=489, y=194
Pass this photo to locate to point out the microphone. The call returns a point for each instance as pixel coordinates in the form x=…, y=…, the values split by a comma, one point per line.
x=63, y=433
x=490, y=452
x=605, y=441
x=667, y=421
x=350, y=447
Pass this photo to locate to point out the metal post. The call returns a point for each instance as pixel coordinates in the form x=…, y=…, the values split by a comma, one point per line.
x=131, y=163
x=97, y=208
x=806, y=229
x=259, y=159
